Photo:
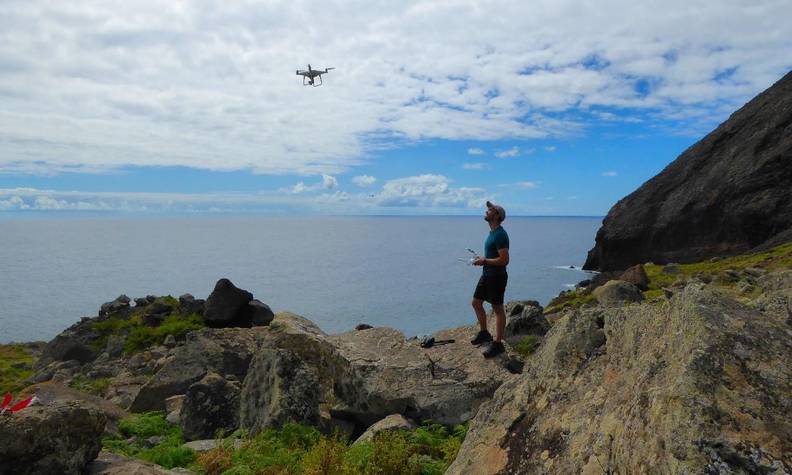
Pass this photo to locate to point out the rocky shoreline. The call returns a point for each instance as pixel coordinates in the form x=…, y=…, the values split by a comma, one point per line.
x=230, y=363
x=695, y=377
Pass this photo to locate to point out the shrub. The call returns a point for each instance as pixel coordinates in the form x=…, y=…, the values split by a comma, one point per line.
x=325, y=458
x=142, y=337
x=134, y=430
x=527, y=345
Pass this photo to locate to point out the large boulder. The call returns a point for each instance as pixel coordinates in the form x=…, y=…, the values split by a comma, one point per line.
x=210, y=408
x=617, y=292
x=444, y=383
x=280, y=388
x=52, y=392
x=62, y=437
x=258, y=313
x=524, y=317
x=225, y=306
x=392, y=422
x=700, y=384
x=72, y=344
x=226, y=351
x=636, y=275
x=727, y=194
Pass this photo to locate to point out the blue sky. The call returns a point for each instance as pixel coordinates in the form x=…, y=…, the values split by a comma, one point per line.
x=548, y=108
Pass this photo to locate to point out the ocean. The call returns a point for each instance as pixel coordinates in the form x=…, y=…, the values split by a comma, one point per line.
x=403, y=272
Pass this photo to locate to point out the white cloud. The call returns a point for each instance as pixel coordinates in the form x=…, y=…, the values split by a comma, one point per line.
x=610, y=173
x=475, y=151
x=414, y=194
x=473, y=166
x=88, y=86
x=550, y=148
x=512, y=152
x=431, y=191
x=328, y=182
x=364, y=180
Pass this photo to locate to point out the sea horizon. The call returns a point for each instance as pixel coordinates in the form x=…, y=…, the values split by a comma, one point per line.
x=337, y=271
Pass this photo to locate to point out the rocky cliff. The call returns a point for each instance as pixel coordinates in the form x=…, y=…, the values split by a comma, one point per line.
x=727, y=194
x=697, y=384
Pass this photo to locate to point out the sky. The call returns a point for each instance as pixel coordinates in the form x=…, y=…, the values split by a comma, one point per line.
x=547, y=107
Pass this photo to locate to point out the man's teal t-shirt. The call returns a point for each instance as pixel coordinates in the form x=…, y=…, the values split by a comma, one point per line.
x=497, y=239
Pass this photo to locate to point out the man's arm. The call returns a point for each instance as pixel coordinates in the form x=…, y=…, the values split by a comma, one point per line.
x=501, y=260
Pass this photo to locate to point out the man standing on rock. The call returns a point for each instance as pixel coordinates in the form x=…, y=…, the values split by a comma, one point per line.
x=492, y=284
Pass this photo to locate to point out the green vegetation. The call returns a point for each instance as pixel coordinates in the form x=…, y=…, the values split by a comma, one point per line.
x=573, y=298
x=294, y=450
x=85, y=384
x=297, y=449
x=139, y=336
x=527, y=345
x=142, y=337
x=778, y=258
x=16, y=365
x=167, y=452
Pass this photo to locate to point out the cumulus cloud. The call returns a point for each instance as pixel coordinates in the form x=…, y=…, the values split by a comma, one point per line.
x=328, y=182
x=475, y=151
x=364, y=181
x=430, y=191
x=87, y=86
x=610, y=173
x=550, y=148
x=473, y=166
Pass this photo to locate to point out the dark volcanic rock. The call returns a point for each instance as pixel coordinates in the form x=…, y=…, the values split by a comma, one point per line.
x=727, y=194
x=258, y=313
x=60, y=438
x=210, y=406
x=226, y=304
x=636, y=275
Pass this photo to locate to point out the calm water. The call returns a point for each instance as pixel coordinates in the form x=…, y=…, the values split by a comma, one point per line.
x=402, y=272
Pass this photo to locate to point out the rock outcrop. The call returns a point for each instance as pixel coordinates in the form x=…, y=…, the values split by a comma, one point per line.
x=727, y=194
x=617, y=292
x=444, y=383
x=698, y=384
x=108, y=463
x=226, y=306
x=62, y=437
x=210, y=408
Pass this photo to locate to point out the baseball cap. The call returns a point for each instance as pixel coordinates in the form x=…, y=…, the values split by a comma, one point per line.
x=499, y=209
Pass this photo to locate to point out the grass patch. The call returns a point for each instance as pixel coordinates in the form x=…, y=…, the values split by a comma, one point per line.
x=142, y=337
x=16, y=365
x=85, y=384
x=133, y=432
x=778, y=258
x=527, y=345
x=139, y=336
x=574, y=298
x=297, y=449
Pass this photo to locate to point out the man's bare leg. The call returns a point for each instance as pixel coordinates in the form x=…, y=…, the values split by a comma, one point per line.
x=500, y=321
x=481, y=315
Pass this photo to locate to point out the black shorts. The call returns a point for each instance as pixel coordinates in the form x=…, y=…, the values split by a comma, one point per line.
x=491, y=288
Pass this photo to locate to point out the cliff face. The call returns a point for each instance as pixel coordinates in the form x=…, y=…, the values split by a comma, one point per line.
x=727, y=194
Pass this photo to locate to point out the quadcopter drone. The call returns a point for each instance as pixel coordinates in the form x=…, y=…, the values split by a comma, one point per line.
x=310, y=75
